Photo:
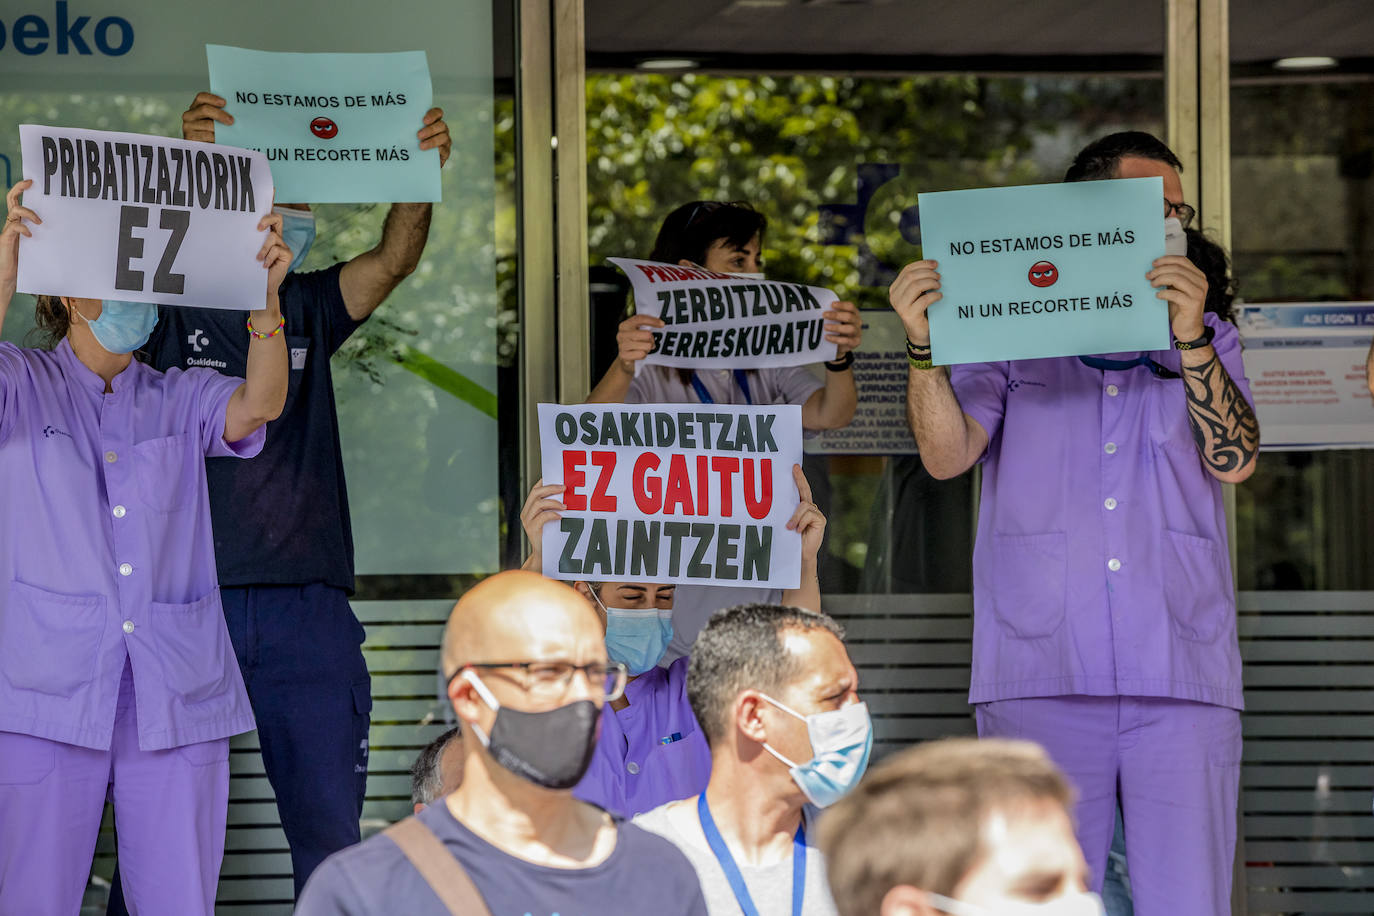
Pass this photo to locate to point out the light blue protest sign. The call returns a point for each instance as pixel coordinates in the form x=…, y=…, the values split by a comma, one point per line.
x=336, y=128
x=1045, y=270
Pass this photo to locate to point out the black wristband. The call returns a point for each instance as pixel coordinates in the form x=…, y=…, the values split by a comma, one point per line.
x=1208, y=333
x=841, y=364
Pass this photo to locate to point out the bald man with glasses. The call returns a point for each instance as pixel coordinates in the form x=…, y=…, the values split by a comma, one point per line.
x=528, y=678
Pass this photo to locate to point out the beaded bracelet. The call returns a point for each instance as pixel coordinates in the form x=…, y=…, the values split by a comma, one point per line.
x=918, y=356
x=258, y=335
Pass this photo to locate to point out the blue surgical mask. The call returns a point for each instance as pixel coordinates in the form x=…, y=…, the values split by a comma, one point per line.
x=841, y=742
x=122, y=327
x=298, y=232
x=637, y=638
x=1081, y=904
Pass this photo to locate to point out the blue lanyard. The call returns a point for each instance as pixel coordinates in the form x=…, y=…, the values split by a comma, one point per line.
x=1120, y=365
x=732, y=873
x=704, y=396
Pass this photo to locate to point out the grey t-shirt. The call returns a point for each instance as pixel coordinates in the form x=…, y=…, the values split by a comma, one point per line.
x=770, y=886
x=642, y=874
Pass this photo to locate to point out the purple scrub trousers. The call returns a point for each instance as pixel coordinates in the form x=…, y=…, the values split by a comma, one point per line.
x=170, y=808
x=1176, y=764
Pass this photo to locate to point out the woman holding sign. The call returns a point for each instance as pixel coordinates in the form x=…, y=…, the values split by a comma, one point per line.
x=727, y=238
x=116, y=671
x=651, y=751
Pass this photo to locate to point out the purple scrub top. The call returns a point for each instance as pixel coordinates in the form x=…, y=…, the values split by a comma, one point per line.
x=106, y=552
x=639, y=763
x=1101, y=565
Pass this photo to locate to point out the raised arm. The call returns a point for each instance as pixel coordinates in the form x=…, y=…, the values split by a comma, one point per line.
x=262, y=395
x=950, y=440
x=1224, y=425
x=808, y=521
x=369, y=278
x=832, y=407
x=15, y=216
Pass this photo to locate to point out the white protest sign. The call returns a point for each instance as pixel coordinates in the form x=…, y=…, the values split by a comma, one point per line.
x=143, y=219
x=673, y=493
x=879, y=426
x=1306, y=366
x=722, y=321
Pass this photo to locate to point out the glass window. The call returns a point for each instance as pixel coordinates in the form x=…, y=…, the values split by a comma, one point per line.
x=831, y=121
x=1302, y=160
x=836, y=163
x=426, y=389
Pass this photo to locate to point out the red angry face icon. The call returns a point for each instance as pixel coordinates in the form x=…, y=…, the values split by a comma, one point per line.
x=324, y=128
x=1043, y=273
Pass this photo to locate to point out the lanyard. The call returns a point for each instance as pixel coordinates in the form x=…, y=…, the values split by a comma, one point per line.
x=704, y=396
x=732, y=873
x=1120, y=365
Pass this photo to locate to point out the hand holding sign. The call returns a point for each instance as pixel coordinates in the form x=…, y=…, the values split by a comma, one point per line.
x=434, y=134
x=274, y=255
x=635, y=338
x=15, y=215
x=1185, y=289
x=808, y=520
x=198, y=121
x=914, y=291
x=542, y=507
x=843, y=327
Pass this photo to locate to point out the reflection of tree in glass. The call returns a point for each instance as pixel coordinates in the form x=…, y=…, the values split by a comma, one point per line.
x=791, y=144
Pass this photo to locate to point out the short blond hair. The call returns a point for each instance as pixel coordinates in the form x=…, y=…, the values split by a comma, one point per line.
x=917, y=818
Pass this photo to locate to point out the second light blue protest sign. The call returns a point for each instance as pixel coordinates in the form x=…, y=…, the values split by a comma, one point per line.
x=1045, y=270
x=336, y=128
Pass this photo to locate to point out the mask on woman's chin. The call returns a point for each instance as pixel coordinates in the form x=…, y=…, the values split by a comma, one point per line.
x=122, y=327
x=298, y=232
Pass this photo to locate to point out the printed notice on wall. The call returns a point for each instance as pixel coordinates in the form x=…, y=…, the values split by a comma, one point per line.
x=1306, y=367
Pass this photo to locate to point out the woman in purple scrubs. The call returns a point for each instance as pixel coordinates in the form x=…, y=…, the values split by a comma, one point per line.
x=116, y=671
x=651, y=751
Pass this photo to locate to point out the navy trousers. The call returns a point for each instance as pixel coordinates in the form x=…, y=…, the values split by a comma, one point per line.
x=300, y=650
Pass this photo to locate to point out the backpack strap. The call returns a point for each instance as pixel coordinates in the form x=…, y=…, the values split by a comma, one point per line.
x=441, y=871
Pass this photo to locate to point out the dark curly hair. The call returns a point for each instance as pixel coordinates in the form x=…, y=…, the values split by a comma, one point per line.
x=1213, y=261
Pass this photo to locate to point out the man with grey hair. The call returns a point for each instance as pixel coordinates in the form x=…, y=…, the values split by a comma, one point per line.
x=777, y=698
x=437, y=770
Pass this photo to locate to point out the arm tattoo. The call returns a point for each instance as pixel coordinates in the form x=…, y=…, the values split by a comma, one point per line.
x=1224, y=425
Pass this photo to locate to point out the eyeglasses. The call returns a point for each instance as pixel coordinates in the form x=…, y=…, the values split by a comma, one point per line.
x=551, y=680
x=1184, y=212
x=704, y=208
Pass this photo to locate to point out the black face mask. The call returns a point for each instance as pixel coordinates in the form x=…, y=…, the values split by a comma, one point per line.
x=552, y=749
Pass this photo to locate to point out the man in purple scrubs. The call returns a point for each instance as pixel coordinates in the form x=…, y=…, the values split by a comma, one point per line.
x=651, y=751
x=116, y=671
x=1104, y=613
